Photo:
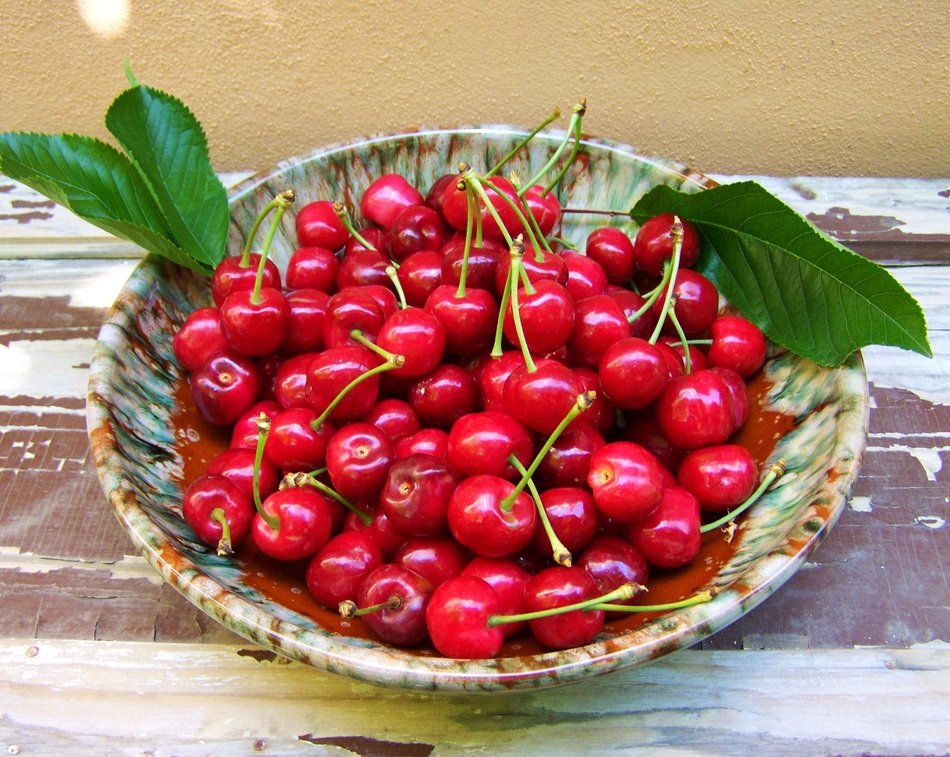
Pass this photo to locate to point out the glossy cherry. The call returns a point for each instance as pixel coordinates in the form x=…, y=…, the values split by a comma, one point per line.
x=573, y=516
x=599, y=322
x=737, y=344
x=419, y=275
x=415, y=228
x=436, y=559
x=303, y=522
x=695, y=410
x=312, y=268
x=443, y=396
x=612, y=248
x=386, y=197
x=633, y=373
x=336, y=572
x=394, y=416
x=255, y=322
x=558, y=587
x=720, y=477
x=418, y=336
x=547, y=317
x=669, y=537
x=234, y=274
x=318, y=225
x=479, y=520
x=333, y=371
x=541, y=398
x=296, y=442
x=400, y=598
x=613, y=561
x=626, y=480
x=508, y=579
x=585, y=277
x=237, y=465
x=653, y=246
x=225, y=387
x=199, y=339
x=415, y=495
x=544, y=206
x=468, y=319
x=358, y=459
x=457, y=619
x=481, y=443
x=696, y=302
x=212, y=499
x=567, y=463
x=306, y=310
x=427, y=441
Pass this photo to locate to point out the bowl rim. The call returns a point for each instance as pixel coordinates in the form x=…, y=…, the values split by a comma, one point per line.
x=378, y=663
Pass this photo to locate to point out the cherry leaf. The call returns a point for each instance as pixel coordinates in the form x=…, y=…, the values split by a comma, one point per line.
x=804, y=290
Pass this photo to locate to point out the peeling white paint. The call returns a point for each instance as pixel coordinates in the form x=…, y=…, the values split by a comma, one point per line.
x=860, y=504
x=929, y=458
x=931, y=521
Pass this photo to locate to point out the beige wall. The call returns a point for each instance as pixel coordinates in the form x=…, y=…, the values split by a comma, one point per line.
x=840, y=87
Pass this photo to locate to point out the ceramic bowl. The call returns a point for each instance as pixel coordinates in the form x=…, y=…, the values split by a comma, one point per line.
x=139, y=432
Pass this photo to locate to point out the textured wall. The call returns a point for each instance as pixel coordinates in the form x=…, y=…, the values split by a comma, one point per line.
x=840, y=87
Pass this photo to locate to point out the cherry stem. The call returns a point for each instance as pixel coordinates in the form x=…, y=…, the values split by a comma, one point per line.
x=532, y=230
x=582, y=403
x=555, y=114
x=676, y=231
x=654, y=294
x=245, y=261
x=284, y=200
x=560, y=553
x=697, y=599
x=310, y=479
x=472, y=180
x=349, y=609
x=263, y=429
x=517, y=252
x=774, y=471
x=393, y=275
x=344, y=215
x=467, y=249
x=391, y=361
x=224, y=543
x=622, y=592
x=687, y=358
x=578, y=113
x=597, y=212
x=570, y=160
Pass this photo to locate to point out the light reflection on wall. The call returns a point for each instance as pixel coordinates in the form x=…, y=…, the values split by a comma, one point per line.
x=107, y=18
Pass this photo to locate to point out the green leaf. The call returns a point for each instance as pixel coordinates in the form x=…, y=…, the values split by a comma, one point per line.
x=93, y=180
x=168, y=146
x=803, y=289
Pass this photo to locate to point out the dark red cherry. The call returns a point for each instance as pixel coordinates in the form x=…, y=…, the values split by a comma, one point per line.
x=312, y=268
x=386, y=197
x=349, y=309
x=306, y=310
x=437, y=190
x=739, y=393
x=225, y=387
x=482, y=264
x=417, y=227
x=290, y=382
x=537, y=265
x=318, y=225
x=380, y=529
x=612, y=561
x=420, y=274
x=394, y=416
x=653, y=245
x=568, y=461
x=669, y=537
x=632, y=373
x=373, y=240
x=720, y=477
x=508, y=579
x=469, y=319
x=415, y=495
x=359, y=267
x=443, y=396
x=405, y=595
x=612, y=248
x=336, y=572
x=585, y=277
x=237, y=465
x=457, y=619
x=696, y=410
x=428, y=441
x=435, y=559
x=199, y=339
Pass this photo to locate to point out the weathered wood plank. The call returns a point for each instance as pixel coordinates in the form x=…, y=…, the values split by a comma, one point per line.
x=195, y=699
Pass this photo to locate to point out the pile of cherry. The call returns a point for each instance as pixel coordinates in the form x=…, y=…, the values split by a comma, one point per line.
x=460, y=425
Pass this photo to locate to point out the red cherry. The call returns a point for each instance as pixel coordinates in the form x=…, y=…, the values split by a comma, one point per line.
x=415, y=495
x=457, y=619
x=244, y=433
x=394, y=416
x=599, y=322
x=612, y=248
x=386, y=197
x=537, y=265
x=697, y=302
x=294, y=444
x=341, y=565
x=669, y=537
x=568, y=461
x=237, y=465
x=437, y=190
x=380, y=529
x=483, y=264
x=199, y=339
x=632, y=373
x=351, y=308
x=508, y=579
x=255, y=326
x=373, y=240
x=478, y=520
x=612, y=561
x=290, y=381
x=585, y=277
x=455, y=208
x=312, y=268
x=230, y=276
x=737, y=344
x=547, y=317
x=494, y=375
x=695, y=410
x=428, y=441
x=419, y=275
x=739, y=393
x=469, y=320
x=358, y=459
x=631, y=303
x=306, y=310
x=573, y=516
x=720, y=477
x=541, y=398
x=435, y=559
x=545, y=207
x=211, y=498
x=482, y=443
x=557, y=587
x=359, y=267
x=305, y=521
x=225, y=387
x=653, y=245
x=418, y=336
x=318, y=225
x=332, y=371
x=627, y=481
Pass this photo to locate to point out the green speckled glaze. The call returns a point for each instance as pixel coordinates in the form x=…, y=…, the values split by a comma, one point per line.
x=131, y=404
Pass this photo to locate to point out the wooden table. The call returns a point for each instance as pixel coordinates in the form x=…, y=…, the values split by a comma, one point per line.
x=98, y=656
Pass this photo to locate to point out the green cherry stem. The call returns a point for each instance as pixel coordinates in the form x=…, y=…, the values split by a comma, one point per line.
x=263, y=429
x=535, y=238
x=252, y=234
x=575, y=146
x=284, y=200
x=622, y=592
x=774, y=471
x=556, y=114
x=471, y=180
x=344, y=215
x=687, y=360
x=467, y=249
x=676, y=231
x=349, y=609
x=517, y=252
x=583, y=402
x=224, y=547
x=310, y=479
x=393, y=275
x=697, y=599
x=560, y=553
x=576, y=114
